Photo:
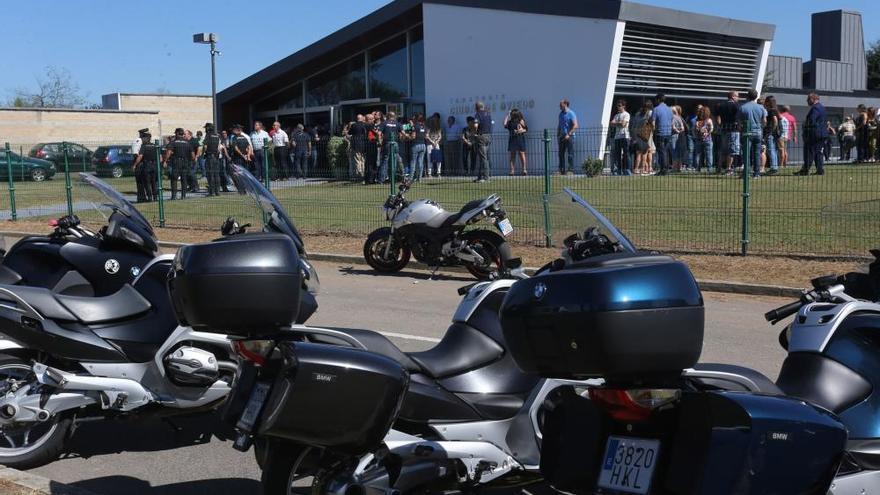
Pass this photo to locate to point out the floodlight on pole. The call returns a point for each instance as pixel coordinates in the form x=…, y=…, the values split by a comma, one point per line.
x=210, y=39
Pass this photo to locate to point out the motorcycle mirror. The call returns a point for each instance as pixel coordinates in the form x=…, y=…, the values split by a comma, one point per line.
x=825, y=281
x=513, y=263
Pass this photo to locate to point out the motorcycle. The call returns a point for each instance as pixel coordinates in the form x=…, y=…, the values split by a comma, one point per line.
x=71, y=358
x=832, y=362
x=655, y=425
x=436, y=237
x=73, y=260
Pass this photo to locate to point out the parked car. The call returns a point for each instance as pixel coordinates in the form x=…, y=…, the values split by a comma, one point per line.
x=79, y=158
x=113, y=161
x=25, y=168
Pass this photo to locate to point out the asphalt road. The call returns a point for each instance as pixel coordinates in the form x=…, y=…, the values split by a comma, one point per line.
x=152, y=457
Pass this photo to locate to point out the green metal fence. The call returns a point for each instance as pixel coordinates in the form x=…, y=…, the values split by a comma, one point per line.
x=834, y=214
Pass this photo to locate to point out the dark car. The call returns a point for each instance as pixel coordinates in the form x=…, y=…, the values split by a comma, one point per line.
x=25, y=168
x=113, y=161
x=79, y=158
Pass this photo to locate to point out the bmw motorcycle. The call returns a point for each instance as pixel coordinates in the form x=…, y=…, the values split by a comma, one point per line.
x=659, y=423
x=833, y=362
x=71, y=357
x=436, y=237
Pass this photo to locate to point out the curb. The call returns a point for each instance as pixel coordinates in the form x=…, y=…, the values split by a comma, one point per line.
x=14, y=482
x=722, y=286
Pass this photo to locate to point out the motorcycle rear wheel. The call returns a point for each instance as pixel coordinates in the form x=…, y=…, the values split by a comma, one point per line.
x=492, y=247
x=18, y=449
x=283, y=464
x=374, y=252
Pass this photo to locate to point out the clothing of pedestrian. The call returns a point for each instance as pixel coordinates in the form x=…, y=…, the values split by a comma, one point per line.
x=847, y=134
x=469, y=146
x=145, y=169
x=771, y=133
x=620, y=145
x=568, y=124
x=483, y=140
x=302, y=149
x=752, y=118
x=434, y=140
x=662, y=116
x=704, y=129
x=212, y=150
x=389, y=132
x=179, y=157
x=418, y=150
x=728, y=124
x=516, y=126
x=280, y=150
x=815, y=133
x=357, y=134
x=452, y=150
x=258, y=143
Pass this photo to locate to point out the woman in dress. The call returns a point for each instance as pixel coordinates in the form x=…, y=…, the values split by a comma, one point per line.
x=516, y=127
x=703, y=131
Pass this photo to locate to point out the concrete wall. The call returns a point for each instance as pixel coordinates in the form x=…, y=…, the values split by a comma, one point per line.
x=31, y=126
x=187, y=111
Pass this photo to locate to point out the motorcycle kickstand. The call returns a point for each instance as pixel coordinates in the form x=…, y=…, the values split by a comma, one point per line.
x=434, y=270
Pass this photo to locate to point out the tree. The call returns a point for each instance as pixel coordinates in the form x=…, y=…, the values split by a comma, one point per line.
x=55, y=89
x=873, y=56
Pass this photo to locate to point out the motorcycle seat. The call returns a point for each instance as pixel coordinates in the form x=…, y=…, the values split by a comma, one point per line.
x=124, y=303
x=374, y=342
x=735, y=378
x=454, y=217
x=461, y=349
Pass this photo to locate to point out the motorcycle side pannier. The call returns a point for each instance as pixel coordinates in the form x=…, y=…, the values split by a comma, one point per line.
x=241, y=285
x=334, y=397
x=617, y=316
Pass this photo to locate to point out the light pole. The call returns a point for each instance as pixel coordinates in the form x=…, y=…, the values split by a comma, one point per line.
x=210, y=39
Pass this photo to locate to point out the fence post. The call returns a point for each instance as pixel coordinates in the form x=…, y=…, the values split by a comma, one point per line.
x=14, y=215
x=84, y=161
x=747, y=165
x=266, y=180
x=67, y=185
x=159, y=184
x=392, y=148
x=548, y=237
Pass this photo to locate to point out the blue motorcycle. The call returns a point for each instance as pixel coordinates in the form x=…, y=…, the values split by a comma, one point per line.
x=659, y=424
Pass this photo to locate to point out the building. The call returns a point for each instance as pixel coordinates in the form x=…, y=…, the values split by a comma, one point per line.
x=837, y=70
x=444, y=55
x=117, y=123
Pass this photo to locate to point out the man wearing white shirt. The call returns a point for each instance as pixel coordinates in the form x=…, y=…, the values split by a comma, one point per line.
x=136, y=145
x=258, y=138
x=280, y=141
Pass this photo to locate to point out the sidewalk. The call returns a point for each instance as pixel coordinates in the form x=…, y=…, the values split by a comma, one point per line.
x=14, y=482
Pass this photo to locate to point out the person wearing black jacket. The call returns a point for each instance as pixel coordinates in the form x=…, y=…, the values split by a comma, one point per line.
x=179, y=154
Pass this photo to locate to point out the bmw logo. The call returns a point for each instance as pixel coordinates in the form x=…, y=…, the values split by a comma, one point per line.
x=135, y=271
x=540, y=290
x=111, y=266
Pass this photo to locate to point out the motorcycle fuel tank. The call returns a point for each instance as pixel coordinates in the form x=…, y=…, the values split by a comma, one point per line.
x=418, y=212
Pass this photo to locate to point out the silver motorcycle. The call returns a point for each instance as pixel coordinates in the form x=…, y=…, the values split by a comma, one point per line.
x=437, y=237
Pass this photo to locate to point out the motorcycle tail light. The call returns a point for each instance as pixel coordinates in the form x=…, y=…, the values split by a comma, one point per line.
x=633, y=405
x=255, y=351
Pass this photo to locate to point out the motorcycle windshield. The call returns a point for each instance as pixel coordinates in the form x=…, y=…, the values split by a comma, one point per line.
x=274, y=217
x=98, y=193
x=575, y=219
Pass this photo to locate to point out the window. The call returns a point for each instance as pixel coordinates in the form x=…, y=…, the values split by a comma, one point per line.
x=289, y=98
x=388, y=79
x=417, y=62
x=345, y=81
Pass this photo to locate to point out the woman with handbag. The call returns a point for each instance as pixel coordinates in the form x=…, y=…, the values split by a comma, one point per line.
x=515, y=123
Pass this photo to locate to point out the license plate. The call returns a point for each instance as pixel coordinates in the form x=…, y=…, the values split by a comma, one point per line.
x=629, y=464
x=505, y=227
x=254, y=407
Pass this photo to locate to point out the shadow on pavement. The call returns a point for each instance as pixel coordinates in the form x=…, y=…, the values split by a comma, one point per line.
x=417, y=275
x=133, y=486
x=145, y=435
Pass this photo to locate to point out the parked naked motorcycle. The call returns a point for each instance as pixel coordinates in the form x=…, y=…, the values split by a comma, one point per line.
x=436, y=237
x=636, y=321
x=73, y=357
x=833, y=361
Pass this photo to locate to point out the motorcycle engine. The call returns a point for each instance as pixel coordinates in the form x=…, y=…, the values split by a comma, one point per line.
x=192, y=367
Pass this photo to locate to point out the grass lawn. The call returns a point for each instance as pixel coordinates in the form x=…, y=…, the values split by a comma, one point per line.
x=838, y=213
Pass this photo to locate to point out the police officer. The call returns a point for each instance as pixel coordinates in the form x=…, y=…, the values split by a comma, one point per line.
x=389, y=132
x=224, y=161
x=144, y=168
x=212, y=150
x=181, y=155
x=242, y=151
x=139, y=177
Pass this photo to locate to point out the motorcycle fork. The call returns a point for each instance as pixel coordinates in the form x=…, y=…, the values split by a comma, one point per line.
x=388, y=244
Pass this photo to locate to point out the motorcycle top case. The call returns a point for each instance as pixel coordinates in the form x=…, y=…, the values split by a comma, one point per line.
x=244, y=285
x=618, y=316
x=334, y=397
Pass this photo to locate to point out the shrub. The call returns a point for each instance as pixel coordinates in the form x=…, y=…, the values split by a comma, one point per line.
x=593, y=166
x=337, y=154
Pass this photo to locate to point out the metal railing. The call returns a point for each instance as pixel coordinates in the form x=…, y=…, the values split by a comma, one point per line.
x=689, y=208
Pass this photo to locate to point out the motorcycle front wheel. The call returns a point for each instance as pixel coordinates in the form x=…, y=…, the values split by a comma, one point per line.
x=375, y=251
x=28, y=445
x=494, y=250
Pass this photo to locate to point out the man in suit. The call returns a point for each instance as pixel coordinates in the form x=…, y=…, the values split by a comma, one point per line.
x=815, y=130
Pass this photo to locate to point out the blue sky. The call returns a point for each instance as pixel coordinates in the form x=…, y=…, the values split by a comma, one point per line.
x=111, y=46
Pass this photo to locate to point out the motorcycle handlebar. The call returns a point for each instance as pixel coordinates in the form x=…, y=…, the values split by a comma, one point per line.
x=782, y=312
